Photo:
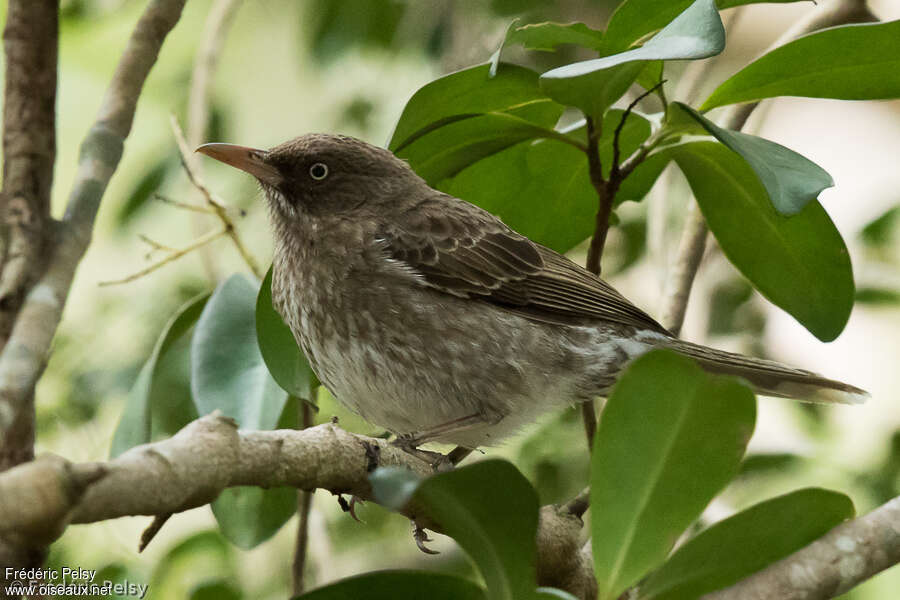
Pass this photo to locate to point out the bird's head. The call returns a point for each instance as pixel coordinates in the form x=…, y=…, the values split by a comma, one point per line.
x=323, y=175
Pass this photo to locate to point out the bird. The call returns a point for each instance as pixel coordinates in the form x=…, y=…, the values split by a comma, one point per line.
x=428, y=316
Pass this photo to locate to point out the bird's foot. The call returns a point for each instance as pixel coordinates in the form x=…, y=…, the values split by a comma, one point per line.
x=440, y=463
x=350, y=507
x=421, y=537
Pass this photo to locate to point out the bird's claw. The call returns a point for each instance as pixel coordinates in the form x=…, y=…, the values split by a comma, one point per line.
x=421, y=537
x=350, y=507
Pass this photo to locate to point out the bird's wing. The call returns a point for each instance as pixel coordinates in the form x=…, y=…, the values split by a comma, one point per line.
x=463, y=250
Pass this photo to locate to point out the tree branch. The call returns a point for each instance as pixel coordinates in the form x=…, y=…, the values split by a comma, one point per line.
x=693, y=239
x=25, y=355
x=39, y=499
x=845, y=557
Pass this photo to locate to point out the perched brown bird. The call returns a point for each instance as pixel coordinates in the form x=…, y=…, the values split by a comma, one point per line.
x=427, y=315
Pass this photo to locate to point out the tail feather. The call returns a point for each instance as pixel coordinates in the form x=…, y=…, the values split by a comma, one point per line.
x=771, y=378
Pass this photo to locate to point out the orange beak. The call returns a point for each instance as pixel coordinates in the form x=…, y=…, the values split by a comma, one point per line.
x=251, y=160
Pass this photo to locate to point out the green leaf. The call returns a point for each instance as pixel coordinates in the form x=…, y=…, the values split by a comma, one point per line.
x=671, y=437
x=878, y=296
x=880, y=231
x=634, y=19
x=399, y=585
x=593, y=85
x=491, y=510
x=747, y=542
x=217, y=589
x=249, y=516
x=466, y=94
x=227, y=368
x=551, y=593
x=134, y=426
x=339, y=24
x=791, y=180
x=799, y=263
x=851, y=62
x=639, y=182
x=548, y=36
x=446, y=151
x=286, y=363
x=392, y=487
x=545, y=177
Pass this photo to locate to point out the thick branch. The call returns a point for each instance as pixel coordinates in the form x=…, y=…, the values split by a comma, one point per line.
x=39, y=499
x=845, y=557
x=693, y=239
x=30, y=43
x=23, y=358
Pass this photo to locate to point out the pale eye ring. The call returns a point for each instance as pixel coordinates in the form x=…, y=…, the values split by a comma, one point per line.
x=318, y=171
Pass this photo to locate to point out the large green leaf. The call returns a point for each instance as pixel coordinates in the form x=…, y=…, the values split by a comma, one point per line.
x=549, y=36
x=278, y=347
x=634, y=19
x=593, y=85
x=525, y=183
x=134, y=427
x=466, y=94
x=800, y=263
x=446, y=151
x=227, y=369
x=747, y=542
x=399, y=585
x=790, y=179
x=851, y=62
x=671, y=437
x=489, y=508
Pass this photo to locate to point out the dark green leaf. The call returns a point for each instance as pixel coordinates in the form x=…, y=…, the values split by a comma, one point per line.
x=671, y=437
x=216, y=590
x=634, y=19
x=522, y=183
x=491, y=510
x=799, y=263
x=278, y=347
x=249, y=516
x=880, y=231
x=134, y=427
x=551, y=593
x=593, y=85
x=651, y=74
x=227, y=369
x=791, y=180
x=641, y=180
x=549, y=36
x=339, y=24
x=747, y=542
x=149, y=183
x=878, y=296
x=851, y=62
x=466, y=94
x=446, y=151
x=399, y=585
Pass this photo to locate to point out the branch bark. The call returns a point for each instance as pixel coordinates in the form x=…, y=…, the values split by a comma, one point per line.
x=845, y=557
x=38, y=500
x=693, y=239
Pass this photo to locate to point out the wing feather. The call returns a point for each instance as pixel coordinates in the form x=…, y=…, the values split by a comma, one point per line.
x=465, y=251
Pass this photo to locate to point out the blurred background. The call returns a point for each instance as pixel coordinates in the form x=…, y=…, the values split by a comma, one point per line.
x=289, y=67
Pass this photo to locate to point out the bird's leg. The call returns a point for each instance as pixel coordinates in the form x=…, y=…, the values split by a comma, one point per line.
x=410, y=442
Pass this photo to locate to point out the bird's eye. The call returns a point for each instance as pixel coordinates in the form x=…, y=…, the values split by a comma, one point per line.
x=318, y=171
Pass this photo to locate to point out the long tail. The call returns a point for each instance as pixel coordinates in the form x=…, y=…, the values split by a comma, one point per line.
x=771, y=378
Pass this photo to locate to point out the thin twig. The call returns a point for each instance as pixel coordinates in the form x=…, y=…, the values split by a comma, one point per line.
x=304, y=505
x=184, y=205
x=614, y=169
x=212, y=201
x=173, y=256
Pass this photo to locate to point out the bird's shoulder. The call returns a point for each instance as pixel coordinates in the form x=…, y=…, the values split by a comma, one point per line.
x=460, y=249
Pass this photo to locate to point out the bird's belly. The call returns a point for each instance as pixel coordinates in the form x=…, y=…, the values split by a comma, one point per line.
x=425, y=359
